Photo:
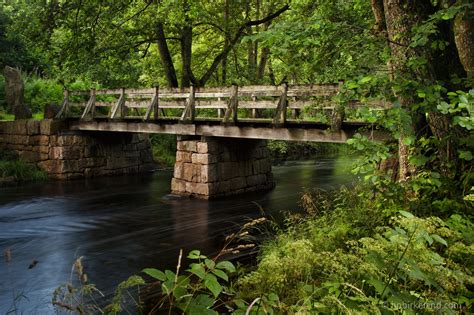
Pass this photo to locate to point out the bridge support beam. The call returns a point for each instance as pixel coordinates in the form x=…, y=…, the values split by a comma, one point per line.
x=210, y=167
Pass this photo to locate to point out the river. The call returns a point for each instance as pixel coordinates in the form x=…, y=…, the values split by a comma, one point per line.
x=121, y=225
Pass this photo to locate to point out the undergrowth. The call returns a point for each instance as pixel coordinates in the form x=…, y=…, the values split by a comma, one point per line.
x=13, y=167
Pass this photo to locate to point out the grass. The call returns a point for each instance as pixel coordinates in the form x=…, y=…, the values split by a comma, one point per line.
x=11, y=117
x=14, y=168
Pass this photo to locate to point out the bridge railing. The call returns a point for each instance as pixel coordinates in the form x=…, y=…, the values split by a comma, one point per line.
x=265, y=103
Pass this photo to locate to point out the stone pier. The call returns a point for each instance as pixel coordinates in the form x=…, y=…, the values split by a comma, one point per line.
x=66, y=154
x=210, y=167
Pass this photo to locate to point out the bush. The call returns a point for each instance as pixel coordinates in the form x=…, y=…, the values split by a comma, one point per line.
x=40, y=92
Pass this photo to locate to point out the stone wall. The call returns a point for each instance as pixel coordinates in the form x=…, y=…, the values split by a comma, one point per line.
x=66, y=154
x=216, y=167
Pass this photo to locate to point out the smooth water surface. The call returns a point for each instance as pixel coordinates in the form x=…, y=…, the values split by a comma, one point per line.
x=121, y=225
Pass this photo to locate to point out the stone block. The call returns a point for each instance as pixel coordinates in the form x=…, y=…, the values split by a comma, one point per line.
x=237, y=183
x=18, y=127
x=18, y=139
x=66, y=153
x=50, y=126
x=178, y=170
x=33, y=127
x=197, y=188
x=31, y=156
x=183, y=156
x=38, y=140
x=44, y=149
x=225, y=156
x=253, y=180
x=178, y=186
x=198, y=158
x=187, y=145
x=223, y=186
x=209, y=173
x=192, y=172
x=208, y=147
x=228, y=170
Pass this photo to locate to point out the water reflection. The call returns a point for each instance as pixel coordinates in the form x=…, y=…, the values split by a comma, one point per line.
x=122, y=225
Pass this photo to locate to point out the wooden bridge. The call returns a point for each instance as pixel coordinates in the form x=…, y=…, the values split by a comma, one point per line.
x=285, y=112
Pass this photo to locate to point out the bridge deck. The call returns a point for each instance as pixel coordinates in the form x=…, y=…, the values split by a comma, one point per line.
x=260, y=112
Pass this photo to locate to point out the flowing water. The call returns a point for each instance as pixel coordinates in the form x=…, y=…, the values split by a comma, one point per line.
x=121, y=225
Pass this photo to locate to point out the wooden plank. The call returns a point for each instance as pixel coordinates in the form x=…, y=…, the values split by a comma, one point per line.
x=64, y=110
x=280, y=115
x=118, y=110
x=230, y=115
x=153, y=105
x=189, y=111
x=90, y=107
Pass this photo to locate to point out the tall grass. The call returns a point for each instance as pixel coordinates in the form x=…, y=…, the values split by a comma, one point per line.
x=13, y=167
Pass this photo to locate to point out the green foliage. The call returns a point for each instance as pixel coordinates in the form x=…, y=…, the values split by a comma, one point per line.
x=199, y=289
x=332, y=262
x=40, y=92
x=286, y=150
x=164, y=149
x=13, y=167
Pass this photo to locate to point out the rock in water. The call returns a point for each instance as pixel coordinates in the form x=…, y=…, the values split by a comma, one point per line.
x=50, y=111
x=14, y=96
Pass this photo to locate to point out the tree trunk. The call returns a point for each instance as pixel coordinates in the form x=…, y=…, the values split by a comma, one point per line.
x=226, y=41
x=263, y=62
x=186, y=54
x=377, y=9
x=464, y=38
x=165, y=57
x=400, y=17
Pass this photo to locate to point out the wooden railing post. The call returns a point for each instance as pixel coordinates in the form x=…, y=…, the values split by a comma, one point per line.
x=93, y=103
x=122, y=104
x=64, y=110
x=190, y=110
x=156, y=104
x=90, y=106
x=153, y=106
x=119, y=105
x=280, y=115
x=232, y=106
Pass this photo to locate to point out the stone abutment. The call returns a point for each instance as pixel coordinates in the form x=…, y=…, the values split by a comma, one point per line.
x=65, y=154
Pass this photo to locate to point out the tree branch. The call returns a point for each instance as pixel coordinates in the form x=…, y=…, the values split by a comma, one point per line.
x=233, y=41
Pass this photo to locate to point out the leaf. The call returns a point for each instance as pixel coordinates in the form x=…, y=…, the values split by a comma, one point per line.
x=210, y=264
x=439, y=239
x=406, y=214
x=155, y=273
x=170, y=275
x=179, y=292
x=227, y=265
x=465, y=155
x=198, y=270
x=196, y=309
x=365, y=80
x=407, y=140
x=195, y=254
x=204, y=300
x=210, y=281
x=221, y=274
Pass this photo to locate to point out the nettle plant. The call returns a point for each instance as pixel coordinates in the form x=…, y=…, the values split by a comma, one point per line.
x=196, y=291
